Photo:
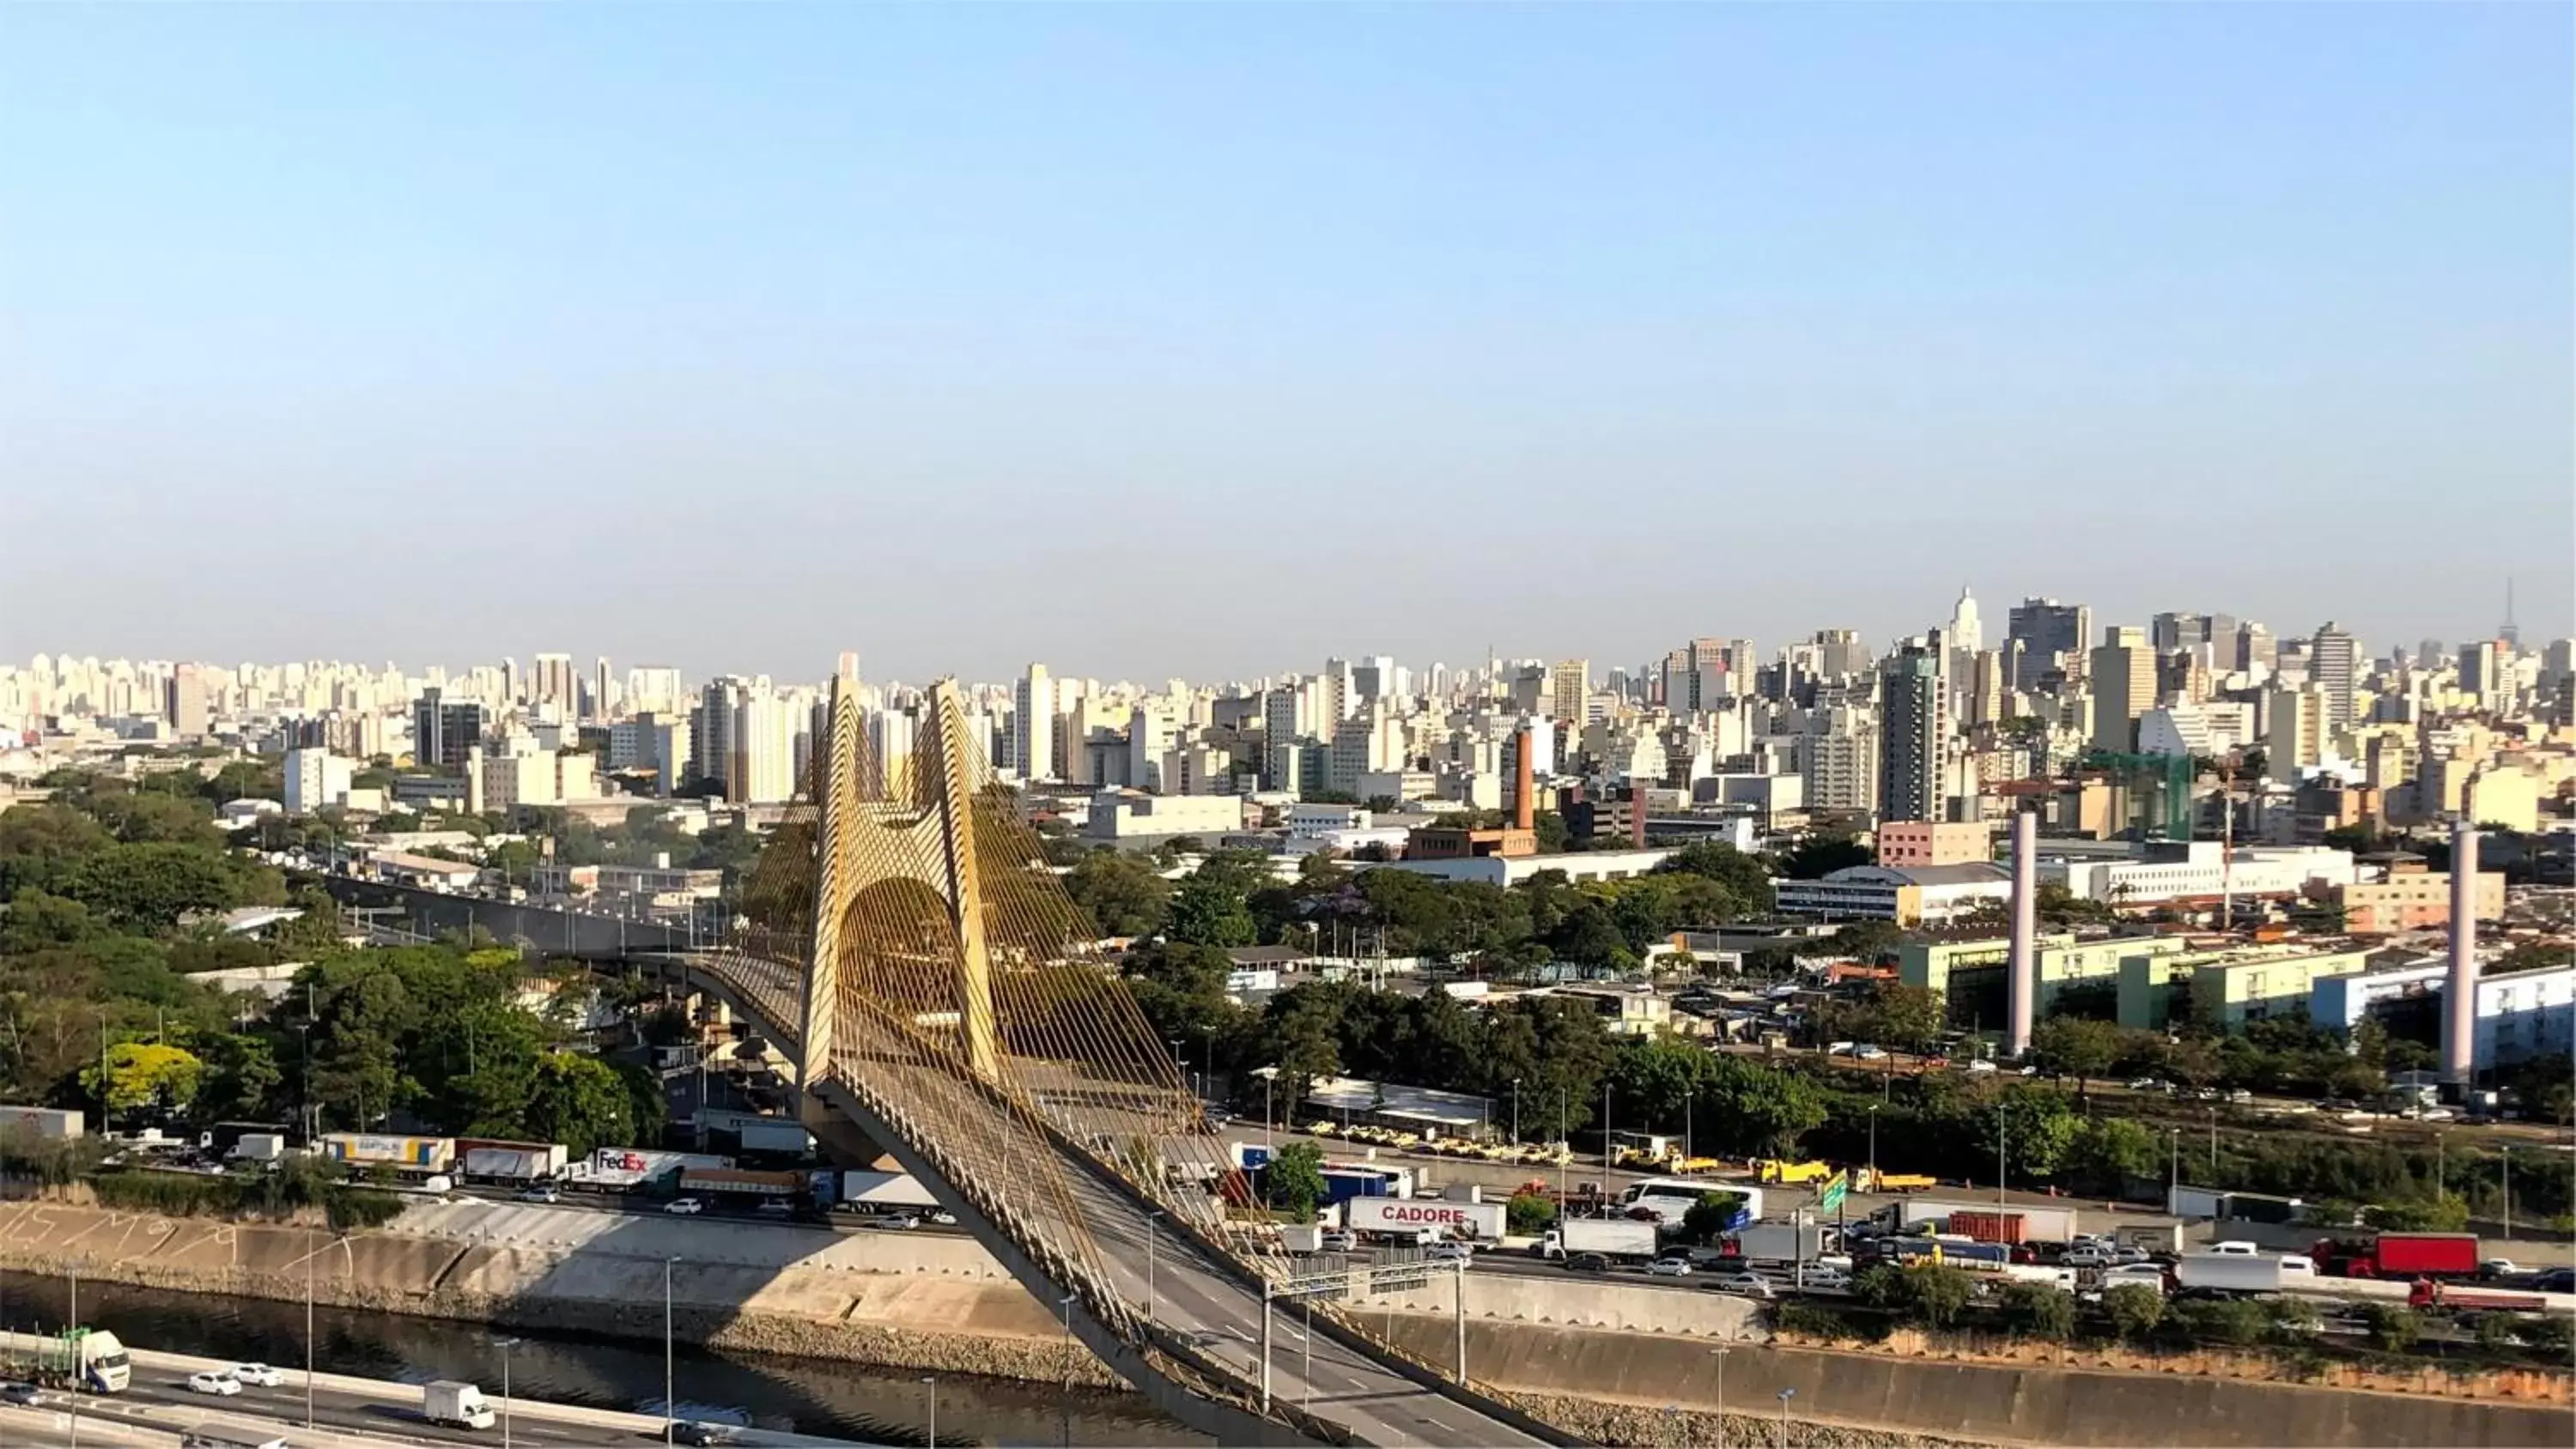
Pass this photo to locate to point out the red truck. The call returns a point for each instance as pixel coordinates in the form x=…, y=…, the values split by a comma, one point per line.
x=2428, y=1294
x=2399, y=1255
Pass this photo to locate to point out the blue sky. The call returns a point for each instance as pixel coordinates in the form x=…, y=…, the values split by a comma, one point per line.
x=1210, y=340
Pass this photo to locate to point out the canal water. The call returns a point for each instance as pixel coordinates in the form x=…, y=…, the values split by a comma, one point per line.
x=808, y=1396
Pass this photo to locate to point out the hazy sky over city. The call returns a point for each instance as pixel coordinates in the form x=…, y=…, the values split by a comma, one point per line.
x=1210, y=340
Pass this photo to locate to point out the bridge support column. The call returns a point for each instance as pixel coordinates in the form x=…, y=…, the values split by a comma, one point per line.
x=836, y=793
x=963, y=888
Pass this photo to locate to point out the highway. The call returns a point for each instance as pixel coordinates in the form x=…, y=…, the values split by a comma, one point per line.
x=1223, y=1318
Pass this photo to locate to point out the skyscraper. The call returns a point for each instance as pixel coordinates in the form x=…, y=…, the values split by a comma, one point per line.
x=761, y=767
x=1913, y=722
x=2334, y=666
x=2052, y=637
x=1569, y=685
x=2123, y=679
x=711, y=730
x=190, y=704
x=552, y=682
x=1967, y=632
x=1033, y=724
x=443, y=733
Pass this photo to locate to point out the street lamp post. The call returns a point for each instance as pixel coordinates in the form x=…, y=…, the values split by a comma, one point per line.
x=2173, y=1194
x=1720, y=1355
x=1785, y=1396
x=1064, y=1398
x=505, y=1345
x=2213, y=1147
x=1516, y=1111
x=1873, y=1149
x=73, y=1271
x=2504, y=1162
x=1269, y=1121
x=932, y=1438
x=667, y=1406
x=1151, y=1233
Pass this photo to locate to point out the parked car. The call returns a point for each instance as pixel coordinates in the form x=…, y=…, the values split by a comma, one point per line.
x=1670, y=1267
x=1587, y=1263
x=214, y=1381
x=1751, y=1285
x=684, y=1206
x=259, y=1375
x=2088, y=1256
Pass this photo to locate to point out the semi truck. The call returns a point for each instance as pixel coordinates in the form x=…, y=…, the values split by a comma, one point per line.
x=2399, y=1255
x=89, y=1360
x=1988, y=1223
x=1773, y=1169
x=47, y=1123
x=453, y=1404
x=1410, y=1217
x=1616, y=1238
x=2243, y=1272
x=1780, y=1242
x=2427, y=1293
x=1866, y=1180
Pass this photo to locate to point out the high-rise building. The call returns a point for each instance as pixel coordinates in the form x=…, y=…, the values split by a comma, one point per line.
x=2334, y=664
x=2297, y=731
x=711, y=730
x=2052, y=638
x=2482, y=672
x=1967, y=633
x=603, y=692
x=761, y=766
x=1695, y=676
x=653, y=689
x=554, y=682
x=315, y=778
x=445, y=733
x=1340, y=696
x=2123, y=680
x=1912, y=730
x=2255, y=648
x=189, y=702
x=1033, y=724
x=1569, y=685
x=1373, y=678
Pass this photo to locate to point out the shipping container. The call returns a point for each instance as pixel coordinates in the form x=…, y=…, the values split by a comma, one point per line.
x=50, y=1123
x=776, y=1138
x=2242, y=1272
x=735, y=1182
x=1989, y=1227
x=2037, y=1224
x=1409, y=1215
x=1610, y=1237
x=2399, y=1255
x=1780, y=1242
x=370, y=1149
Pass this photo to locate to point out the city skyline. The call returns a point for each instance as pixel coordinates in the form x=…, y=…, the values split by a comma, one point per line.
x=1061, y=328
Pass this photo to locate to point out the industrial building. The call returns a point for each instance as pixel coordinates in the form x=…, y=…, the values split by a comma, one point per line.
x=2520, y=1015
x=1909, y=895
x=2228, y=988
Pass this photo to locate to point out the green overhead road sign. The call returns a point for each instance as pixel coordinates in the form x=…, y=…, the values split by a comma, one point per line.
x=1831, y=1199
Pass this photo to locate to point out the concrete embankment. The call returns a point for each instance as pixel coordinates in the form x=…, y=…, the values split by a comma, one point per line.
x=1618, y=1364
x=911, y=1300
x=1652, y=1389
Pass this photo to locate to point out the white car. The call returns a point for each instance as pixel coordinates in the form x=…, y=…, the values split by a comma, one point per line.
x=1340, y=1241
x=1981, y=1067
x=259, y=1375
x=2088, y=1257
x=213, y=1381
x=1751, y=1285
x=1670, y=1267
x=2500, y=1268
x=1870, y=1053
x=541, y=1194
x=1449, y=1253
x=1827, y=1279
x=684, y=1205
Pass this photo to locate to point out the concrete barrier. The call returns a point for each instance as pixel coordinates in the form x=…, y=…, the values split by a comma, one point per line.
x=1976, y=1402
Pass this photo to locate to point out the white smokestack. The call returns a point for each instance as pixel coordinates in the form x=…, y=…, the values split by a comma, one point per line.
x=2022, y=984
x=2460, y=998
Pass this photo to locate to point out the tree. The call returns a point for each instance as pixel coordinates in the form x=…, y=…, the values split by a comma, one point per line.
x=147, y=1074
x=2134, y=1309
x=1294, y=1180
x=1123, y=894
x=580, y=1102
x=2074, y=1046
x=1933, y=1295
x=1706, y=1220
x=2235, y=1322
x=2040, y=1310
x=1528, y=1214
x=2391, y=1327
x=2111, y=1152
x=1908, y=1017
x=2038, y=1128
x=1210, y=913
x=1746, y=884
x=1819, y=856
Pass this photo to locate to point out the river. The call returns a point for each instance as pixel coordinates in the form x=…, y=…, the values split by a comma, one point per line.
x=810, y=1396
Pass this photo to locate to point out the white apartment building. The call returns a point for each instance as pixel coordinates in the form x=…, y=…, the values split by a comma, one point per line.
x=1033, y=724
x=2200, y=870
x=314, y=779
x=1126, y=817
x=2520, y=1015
x=761, y=767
